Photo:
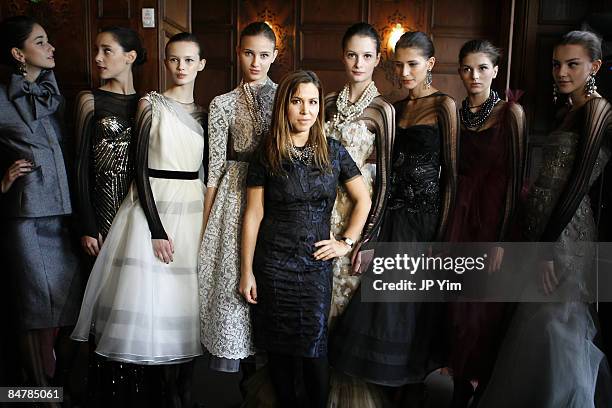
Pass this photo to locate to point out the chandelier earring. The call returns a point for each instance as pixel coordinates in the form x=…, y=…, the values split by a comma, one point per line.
x=555, y=93
x=428, y=79
x=590, y=88
x=22, y=68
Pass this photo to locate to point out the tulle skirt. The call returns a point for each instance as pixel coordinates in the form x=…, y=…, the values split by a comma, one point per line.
x=140, y=309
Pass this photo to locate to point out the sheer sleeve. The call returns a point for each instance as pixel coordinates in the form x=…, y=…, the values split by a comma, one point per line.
x=218, y=133
x=84, y=134
x=448, y=122
x=515, y=126
x=595, y=124
x=144, y=119
x=380, y=119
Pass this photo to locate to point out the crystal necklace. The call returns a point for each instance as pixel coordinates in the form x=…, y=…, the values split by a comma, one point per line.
x=346, y=111
x=303, y=154
x=254, y=106
x=474, y=120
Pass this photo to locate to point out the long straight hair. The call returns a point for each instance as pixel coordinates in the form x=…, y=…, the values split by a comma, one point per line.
x=278, y=141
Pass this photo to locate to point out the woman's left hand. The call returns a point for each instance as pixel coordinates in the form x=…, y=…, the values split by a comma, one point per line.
x=330, y=248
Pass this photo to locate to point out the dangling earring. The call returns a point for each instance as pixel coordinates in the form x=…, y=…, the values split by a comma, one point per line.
x=428, y=79
x=22, y=68
x=590, y=88
x=555, y=93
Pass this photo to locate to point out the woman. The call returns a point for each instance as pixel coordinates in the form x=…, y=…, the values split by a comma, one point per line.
x=105, y=118
x=367, y=343
x=141, y=300
x=42, y=272
x=363, y=122
x=238, y=121
x=548, y=357
x=490, y=169
x=286, y=251
x=105, y=169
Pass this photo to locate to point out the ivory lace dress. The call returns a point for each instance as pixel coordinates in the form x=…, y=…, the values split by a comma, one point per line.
x=233, y=137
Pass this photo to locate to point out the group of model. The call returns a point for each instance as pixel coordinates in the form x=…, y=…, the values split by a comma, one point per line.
x=261, y=259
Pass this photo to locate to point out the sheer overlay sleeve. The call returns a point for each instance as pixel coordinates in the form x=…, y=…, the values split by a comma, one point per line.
x=380, y=120
x=448, y=122
x=84, y=134
x=218, y=132
x=595, y=125
x=515, y=126
x=144, y=119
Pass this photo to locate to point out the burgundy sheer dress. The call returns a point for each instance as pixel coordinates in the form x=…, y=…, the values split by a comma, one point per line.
x=489, y=177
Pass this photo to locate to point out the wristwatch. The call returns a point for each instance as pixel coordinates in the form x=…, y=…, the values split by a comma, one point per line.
x=348, y=242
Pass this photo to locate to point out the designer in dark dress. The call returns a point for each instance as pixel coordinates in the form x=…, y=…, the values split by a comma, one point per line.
x=294, y=289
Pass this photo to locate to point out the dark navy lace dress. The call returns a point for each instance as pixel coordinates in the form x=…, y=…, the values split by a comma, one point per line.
x=398, y=343
x=294, y=289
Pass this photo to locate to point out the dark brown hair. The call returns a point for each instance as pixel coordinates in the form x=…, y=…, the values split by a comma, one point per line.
x=419, y=40
x=14, y=31
x=364, y=30
x=483, y=46
x=258, y=28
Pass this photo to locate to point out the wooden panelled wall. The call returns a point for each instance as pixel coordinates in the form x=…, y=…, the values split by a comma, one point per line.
x=72, y=26
x=539, y=25
x=310, y=33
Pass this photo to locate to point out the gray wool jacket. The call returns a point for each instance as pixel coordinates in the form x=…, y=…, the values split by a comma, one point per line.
x=29, y=129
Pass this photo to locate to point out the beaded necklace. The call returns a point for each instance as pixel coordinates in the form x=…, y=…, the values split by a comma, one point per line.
x=254, y=105
x=347, y=111
x=474, y=120
x=303, y=154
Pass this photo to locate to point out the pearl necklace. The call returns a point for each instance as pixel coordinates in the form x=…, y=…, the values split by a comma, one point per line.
x=474, y=120
x=254, y=105
x=346, y=111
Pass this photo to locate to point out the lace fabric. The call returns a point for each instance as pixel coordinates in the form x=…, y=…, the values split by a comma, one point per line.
x=225, y=318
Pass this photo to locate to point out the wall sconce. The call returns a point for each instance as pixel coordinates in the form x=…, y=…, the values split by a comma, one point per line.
x=390, y=34
x=394, y=36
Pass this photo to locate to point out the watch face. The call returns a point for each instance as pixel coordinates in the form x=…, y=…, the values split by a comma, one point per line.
x=348, y=241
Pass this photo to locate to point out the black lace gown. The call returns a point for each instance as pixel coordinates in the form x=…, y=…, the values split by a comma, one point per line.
x=397, y=343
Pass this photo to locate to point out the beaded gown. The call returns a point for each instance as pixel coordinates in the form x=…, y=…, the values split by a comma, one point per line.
x=549, y=358
x=140, y=309
x=398, y=343
x=224, y=315
x=105, y=167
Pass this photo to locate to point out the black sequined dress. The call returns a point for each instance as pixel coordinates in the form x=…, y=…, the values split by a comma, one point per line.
x=105, y=165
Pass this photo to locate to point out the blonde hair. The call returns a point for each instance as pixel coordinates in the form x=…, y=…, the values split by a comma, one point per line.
x=278, y=141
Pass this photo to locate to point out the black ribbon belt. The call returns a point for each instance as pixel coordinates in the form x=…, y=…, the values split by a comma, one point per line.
x=170, y=174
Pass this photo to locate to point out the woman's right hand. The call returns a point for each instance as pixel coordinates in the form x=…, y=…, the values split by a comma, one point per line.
x=19, y=168
x=91, y=245
x=163, y=249
x=248, y=287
